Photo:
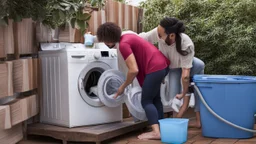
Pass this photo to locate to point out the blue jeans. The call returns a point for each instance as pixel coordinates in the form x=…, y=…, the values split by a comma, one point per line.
x=175, y=79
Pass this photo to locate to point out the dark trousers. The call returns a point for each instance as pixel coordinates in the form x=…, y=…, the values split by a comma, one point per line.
x=151, y=100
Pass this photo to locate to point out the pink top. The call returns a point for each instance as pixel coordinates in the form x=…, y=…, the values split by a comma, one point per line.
x=149, y=59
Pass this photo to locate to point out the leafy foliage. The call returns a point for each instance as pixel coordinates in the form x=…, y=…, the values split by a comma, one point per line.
x=61, y=11
x=122, y=1
x=53, y=13
x=18, y=9
x=224, y=32
x=97, y=3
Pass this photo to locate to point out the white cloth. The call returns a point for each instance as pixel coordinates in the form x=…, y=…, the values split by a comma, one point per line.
x=94, y=90
x=176, y=103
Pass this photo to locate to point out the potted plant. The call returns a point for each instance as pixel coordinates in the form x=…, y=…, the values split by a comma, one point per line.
x=63, y=12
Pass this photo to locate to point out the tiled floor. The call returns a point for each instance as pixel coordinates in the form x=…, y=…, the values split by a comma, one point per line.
x=194, y=137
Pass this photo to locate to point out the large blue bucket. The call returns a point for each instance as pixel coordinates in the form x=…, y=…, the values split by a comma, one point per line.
x=232, y=98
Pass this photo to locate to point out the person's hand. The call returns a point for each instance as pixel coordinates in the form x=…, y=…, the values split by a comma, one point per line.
x=119, y=91
x=179, y=96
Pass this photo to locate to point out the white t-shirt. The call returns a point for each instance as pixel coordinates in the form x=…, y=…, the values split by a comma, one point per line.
x=177, y=60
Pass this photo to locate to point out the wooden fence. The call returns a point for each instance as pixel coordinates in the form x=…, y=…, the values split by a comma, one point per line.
x=126, y=16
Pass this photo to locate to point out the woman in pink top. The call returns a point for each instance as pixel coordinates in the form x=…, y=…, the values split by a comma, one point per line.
x=145, y=62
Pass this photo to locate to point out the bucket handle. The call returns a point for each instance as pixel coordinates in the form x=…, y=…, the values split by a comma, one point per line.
x=217, y=116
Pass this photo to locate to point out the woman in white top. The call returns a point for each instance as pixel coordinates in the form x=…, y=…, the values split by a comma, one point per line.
x=179, y=49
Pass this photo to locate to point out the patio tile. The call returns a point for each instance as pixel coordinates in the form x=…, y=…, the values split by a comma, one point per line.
x=224, y=141
x=199, y=139
x=245, y=142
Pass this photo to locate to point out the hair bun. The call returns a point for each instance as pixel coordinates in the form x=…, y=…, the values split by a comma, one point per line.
x=180, y=27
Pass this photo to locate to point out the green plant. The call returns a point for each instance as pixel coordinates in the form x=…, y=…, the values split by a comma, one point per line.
x=224, y=32
x=61, y=11
x=53, y=13
x=3, y=13
x=80, y=20
x=122, y=1
x=97, y=3
x=19, y=9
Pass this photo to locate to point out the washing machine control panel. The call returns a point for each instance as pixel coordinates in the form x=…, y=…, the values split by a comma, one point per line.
x=96, y=55
x=104, y=54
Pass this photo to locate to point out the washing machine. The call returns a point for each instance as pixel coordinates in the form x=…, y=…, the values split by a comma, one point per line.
x=69, y=72
x=167, y=101
x=165, y=95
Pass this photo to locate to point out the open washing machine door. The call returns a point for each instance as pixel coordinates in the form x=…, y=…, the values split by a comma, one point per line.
x=98, y=83
x=164, y=92
x=108, y=85
x=165, y=95
x=133, y=103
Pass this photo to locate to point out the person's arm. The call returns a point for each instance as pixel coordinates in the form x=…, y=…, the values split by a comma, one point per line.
x=132, y=70
x=150, y=36
x=185, y=80
x=186, y=64
x=130, y=61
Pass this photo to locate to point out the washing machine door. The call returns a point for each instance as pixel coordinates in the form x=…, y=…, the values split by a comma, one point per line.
x=108, y=85
x=133, y=103
x=164, y=92
x=88, y=81
x=165, y=95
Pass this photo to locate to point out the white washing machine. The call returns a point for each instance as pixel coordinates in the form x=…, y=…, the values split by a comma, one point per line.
x=167, y=101
x=67, y=77
x=165, y=95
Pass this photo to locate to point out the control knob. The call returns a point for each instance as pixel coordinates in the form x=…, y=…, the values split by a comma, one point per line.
x=96, y=55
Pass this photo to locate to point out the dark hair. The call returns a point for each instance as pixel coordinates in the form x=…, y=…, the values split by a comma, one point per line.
x=109, y=32
x=173, y=25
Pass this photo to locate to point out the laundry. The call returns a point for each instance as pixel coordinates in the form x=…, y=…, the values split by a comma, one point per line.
x=94, y=90
x=111, y=88
x=176, y=103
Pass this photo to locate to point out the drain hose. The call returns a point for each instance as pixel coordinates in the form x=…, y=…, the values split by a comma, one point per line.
x=219, y=117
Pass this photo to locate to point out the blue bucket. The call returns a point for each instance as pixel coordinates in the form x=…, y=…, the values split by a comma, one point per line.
x=174, y=130
x=228, y=106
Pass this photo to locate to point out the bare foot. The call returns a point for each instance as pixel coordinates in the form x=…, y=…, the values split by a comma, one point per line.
x=195, y=125
x=149, y=136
